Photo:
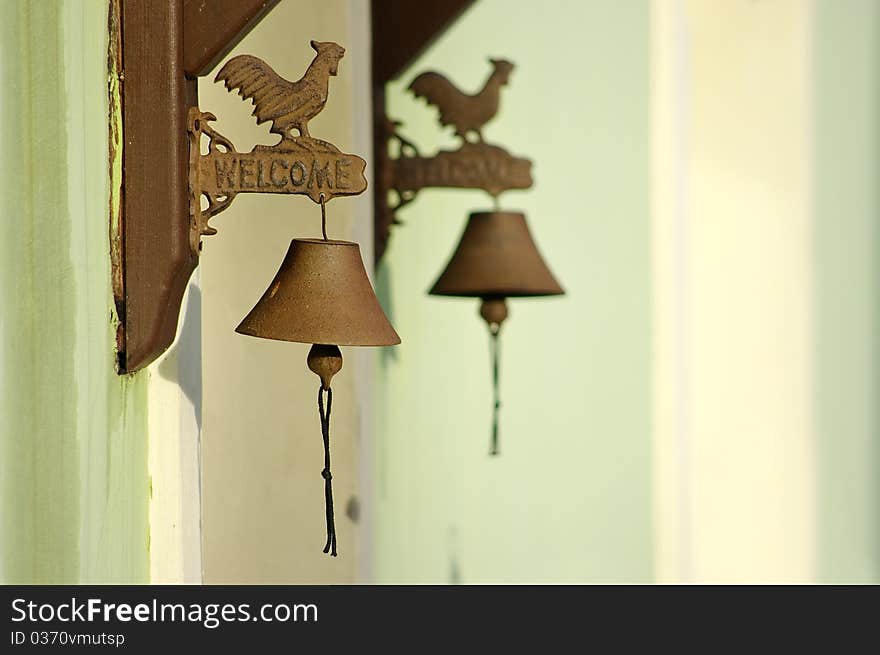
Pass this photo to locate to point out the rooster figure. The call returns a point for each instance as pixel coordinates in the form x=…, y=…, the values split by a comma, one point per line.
x=289, y=105
x=466, y=113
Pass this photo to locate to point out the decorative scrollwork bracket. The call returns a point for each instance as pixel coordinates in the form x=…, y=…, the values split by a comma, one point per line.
x=475, y=164
x=155, y=255
x=297, y=164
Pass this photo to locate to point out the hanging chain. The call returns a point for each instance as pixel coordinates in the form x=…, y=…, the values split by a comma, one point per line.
x=330, y=546
x=494, y=329
x=323, y=217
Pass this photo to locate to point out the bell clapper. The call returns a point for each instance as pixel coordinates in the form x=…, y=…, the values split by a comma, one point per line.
x=326, y=361
x=494, y=311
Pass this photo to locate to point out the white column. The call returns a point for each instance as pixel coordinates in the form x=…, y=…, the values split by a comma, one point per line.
x=174, y=397
x=732, y=291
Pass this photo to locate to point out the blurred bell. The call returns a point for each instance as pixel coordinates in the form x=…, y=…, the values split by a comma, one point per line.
x=496, y=258
x=322, y=295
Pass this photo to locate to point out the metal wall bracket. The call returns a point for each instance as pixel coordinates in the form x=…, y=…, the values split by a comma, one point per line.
x=171, y=188
x=475, y=164
x=158, y=49
x=312, y=167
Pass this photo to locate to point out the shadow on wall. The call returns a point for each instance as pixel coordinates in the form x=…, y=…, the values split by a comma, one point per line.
x=183, y=363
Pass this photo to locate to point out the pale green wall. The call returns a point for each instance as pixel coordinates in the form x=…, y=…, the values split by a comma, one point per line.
x=74, y=488
x=846, y=97
x=569, y=499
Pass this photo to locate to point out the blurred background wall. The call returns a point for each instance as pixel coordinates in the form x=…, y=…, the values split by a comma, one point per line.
x=734, y=438
x=764, y=217
x=701, y=406
x=569, y=498
x=845, y=146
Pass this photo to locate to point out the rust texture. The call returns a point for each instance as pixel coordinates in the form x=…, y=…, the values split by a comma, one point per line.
x=298, y=164
x=475, y=164
x=222, y=173
x=321, y=295
x=213, y=27
x=287, y=105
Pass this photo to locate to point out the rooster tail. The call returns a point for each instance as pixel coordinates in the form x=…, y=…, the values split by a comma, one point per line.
x=437, y=91
x=255, y=80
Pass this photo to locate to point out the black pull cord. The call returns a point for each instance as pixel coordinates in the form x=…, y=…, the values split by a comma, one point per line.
x=494, y=329
x=330, y=546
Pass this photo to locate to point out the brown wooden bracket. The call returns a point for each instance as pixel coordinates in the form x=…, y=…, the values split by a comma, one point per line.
x=213, y=27
x=475, y=164
x=156, y=260
x=158, y=49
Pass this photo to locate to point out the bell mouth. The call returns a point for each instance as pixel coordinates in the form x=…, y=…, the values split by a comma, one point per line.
x=321, y=294
x=496, y=257
x=326, y=242
x=498, y=212
x=498, y=294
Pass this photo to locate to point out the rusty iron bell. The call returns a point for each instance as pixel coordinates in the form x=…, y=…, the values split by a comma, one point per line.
x=496, y=259
x=322, y=295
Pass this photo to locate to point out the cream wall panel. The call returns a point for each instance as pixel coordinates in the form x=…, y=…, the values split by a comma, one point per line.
x=263, y=498
x=734, y=442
